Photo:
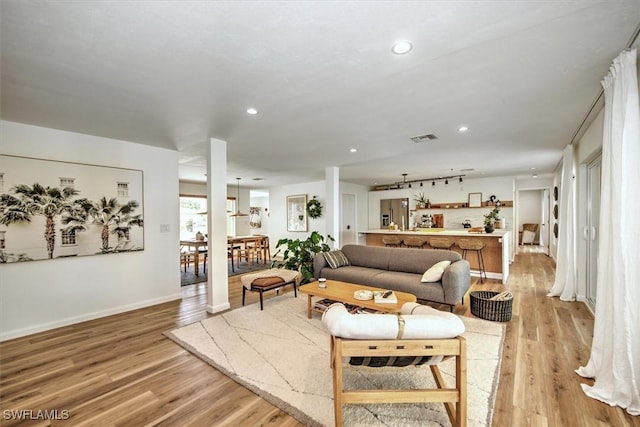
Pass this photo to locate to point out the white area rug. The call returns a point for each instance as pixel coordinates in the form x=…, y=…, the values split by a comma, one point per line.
x=284, y=357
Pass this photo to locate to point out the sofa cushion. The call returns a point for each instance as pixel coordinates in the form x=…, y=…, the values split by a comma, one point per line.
x=435, y=272
x=353, y=274
x=368, y=256
x=336, y=259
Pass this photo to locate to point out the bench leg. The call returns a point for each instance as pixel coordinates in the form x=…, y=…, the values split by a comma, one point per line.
x=261, y=306
x=244, y=291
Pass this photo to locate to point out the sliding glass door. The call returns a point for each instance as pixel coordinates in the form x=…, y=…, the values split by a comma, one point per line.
x=591, y=230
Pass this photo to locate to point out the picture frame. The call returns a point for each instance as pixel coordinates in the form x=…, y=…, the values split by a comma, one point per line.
x=475, y=200
x=297, y=213
x=91, y=209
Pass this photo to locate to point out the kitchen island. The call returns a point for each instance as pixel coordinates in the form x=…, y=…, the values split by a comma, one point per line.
x=496, y=251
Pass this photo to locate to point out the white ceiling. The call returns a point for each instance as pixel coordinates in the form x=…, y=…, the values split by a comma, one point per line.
x=521, y=74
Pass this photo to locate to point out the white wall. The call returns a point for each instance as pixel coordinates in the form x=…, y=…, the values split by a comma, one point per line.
x=40, y=295
x=278, y=212
x=453, y=193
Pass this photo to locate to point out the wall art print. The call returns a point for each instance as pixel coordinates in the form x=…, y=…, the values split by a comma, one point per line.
x=55, y=209
x=297, y=213
x=255, y=220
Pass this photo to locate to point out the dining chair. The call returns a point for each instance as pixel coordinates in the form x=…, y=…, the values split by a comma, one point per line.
x=230, y=249
x=186, y=256
x=247, y=250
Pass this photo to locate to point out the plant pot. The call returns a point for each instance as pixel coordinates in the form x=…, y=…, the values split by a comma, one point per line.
x=488, y=228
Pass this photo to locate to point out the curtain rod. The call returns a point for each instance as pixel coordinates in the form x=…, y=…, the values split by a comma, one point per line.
x=629, y=45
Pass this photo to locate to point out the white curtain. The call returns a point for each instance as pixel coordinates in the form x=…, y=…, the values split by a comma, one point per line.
x=564, y=285
x=615, y=352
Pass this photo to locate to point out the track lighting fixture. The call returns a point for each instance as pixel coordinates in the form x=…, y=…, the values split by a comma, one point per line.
x=408, y=183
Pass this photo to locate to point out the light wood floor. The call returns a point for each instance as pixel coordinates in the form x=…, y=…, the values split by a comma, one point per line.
x=121, y=371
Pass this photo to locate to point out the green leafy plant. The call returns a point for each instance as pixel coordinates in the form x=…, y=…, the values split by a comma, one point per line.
x=314, y=208
x=492, y=216
x=298, y=254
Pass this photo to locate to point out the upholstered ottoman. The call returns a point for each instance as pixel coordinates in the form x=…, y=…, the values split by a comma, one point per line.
x=267, y=280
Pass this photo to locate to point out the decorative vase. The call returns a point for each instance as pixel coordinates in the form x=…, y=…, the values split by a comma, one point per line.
x=488, y=228
x=199, y=236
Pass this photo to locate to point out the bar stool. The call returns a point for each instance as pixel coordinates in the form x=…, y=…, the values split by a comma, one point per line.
x=392, y=241
x=440, y=243
x=477, y=246
x=414, y=242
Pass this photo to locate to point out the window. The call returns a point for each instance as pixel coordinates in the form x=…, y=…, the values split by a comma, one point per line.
x=193, y=216
x=123, y=189
x=68, y=237
x=67, y=182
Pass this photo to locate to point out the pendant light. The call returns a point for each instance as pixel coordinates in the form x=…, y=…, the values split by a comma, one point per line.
x=238, y=213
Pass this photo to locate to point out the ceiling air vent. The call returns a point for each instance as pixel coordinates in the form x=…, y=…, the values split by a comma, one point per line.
x=421, y=138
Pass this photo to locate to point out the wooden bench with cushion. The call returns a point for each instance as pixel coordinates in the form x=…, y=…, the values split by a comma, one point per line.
x=263, y=284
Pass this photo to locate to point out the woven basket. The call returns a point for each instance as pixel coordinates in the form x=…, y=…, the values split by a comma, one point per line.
x=482, y=306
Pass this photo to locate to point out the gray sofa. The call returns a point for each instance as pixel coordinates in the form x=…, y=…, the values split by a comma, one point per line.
x=400, y=269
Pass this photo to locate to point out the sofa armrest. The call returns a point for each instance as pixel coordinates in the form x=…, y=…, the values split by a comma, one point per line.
x=456, y=281
x=319, y=262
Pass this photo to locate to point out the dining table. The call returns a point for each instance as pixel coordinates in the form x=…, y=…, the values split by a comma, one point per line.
x=232, y=241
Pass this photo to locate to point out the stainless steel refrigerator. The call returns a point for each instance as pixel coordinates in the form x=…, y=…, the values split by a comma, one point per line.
x=393, y=210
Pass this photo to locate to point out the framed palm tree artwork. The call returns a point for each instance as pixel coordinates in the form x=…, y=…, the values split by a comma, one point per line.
x=55, y=209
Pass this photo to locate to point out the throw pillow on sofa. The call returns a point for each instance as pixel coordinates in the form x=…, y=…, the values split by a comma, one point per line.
x=434, y=274
x=336, y=259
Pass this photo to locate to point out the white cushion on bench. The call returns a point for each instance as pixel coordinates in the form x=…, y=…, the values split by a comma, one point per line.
x=424, y=323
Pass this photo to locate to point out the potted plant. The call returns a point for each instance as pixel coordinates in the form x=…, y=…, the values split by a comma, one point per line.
x=491, y=218
x=298, y=254
x=422, y=202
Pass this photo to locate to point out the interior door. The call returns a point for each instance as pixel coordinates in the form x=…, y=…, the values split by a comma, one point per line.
x=348, y=219
x=591, y=229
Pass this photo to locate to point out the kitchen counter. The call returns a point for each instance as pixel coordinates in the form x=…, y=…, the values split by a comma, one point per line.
x=498, y=232
x=495, y=252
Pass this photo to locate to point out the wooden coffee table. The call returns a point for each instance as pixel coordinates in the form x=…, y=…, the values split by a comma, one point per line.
x=343, y=292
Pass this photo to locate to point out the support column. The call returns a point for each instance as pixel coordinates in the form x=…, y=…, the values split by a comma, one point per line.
x=332, y=178
x=218, y=278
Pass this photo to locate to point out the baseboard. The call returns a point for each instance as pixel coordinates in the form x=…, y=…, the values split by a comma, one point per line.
x=218, y=308
x=18, y=333
x=490, y=275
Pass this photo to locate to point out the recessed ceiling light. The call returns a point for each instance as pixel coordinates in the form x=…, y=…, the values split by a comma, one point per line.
x=402, y=47
x=463, y=129
x=252, y=111
x=353, y=150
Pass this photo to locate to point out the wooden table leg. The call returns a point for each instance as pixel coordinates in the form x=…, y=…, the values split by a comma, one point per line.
x=308, y=306
x=196, y=261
